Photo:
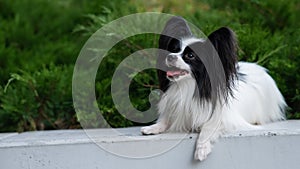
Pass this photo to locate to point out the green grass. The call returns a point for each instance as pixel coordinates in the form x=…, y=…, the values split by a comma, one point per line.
x=40, y=41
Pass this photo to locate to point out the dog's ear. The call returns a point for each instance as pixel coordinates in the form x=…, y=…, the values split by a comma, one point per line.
x=225, y=43
x=169, y=41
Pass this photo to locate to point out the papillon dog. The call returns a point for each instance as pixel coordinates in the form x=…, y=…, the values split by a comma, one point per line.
x=206, y=90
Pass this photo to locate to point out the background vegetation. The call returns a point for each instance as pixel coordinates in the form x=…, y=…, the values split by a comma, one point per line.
x=41, y=39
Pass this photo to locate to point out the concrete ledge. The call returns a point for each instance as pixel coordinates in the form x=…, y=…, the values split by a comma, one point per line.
x=276, y=146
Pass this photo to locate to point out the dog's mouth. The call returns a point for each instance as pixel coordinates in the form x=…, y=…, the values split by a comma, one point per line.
x=175, y=73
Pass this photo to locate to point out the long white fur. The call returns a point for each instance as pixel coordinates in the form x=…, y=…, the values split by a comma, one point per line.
x=256, y=100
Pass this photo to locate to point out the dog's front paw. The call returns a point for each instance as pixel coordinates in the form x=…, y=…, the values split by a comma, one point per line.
x=202, y=151
x=148, y=130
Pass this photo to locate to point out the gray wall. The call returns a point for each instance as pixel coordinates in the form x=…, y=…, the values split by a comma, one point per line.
x=275, y=146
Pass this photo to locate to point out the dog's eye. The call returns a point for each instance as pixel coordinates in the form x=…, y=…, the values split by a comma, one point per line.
x=189, y=55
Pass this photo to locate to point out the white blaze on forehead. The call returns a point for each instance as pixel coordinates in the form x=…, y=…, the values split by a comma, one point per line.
x=190, y=40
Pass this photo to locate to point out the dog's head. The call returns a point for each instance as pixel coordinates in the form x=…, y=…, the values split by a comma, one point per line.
x=204, y=60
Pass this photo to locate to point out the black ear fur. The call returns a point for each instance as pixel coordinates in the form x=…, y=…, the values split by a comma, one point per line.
x=175, y=29
x=225, y=43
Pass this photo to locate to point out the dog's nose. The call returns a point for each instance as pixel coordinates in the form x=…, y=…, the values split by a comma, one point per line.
x=171, y=58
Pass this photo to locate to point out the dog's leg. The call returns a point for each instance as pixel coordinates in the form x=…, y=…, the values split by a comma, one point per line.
x=210, y=131
x=157, y=128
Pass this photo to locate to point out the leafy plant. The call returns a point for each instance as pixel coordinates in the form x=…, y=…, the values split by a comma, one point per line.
x=39, y=100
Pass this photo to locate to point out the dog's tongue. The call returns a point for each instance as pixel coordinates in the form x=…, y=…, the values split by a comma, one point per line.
x=173, y=73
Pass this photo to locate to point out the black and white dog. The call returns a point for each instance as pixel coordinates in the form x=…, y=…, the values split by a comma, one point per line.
x=207, y=91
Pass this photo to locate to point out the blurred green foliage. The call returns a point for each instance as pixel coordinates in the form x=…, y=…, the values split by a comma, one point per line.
x=41, y=39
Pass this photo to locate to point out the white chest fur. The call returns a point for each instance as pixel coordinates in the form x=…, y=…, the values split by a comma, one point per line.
x=181, y=109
